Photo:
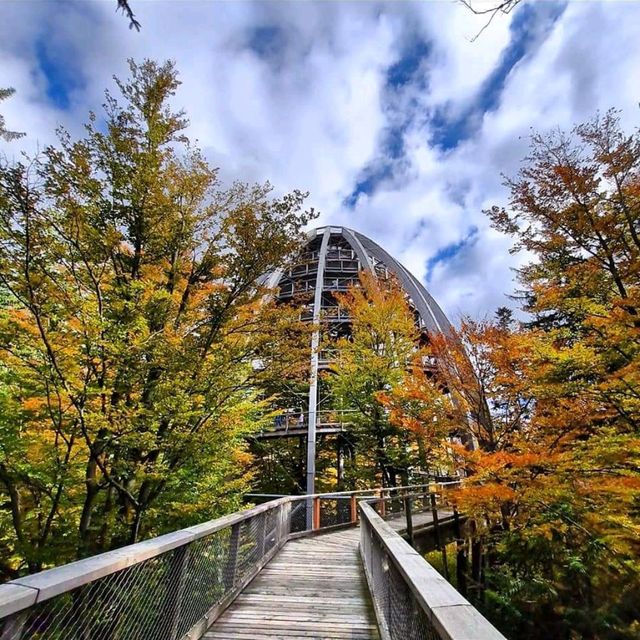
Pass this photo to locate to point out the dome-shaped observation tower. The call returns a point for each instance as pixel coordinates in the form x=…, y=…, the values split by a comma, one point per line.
x=330, y=262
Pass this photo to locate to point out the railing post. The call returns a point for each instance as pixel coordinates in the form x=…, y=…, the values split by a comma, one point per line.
x=436, y=530
x=232, y=557
x=383, y=504
x=476, y=560
x=179, y=562
x=434, y=516
x=461, y=555
x=408, y=515
x=354, y=509
x=316, y=513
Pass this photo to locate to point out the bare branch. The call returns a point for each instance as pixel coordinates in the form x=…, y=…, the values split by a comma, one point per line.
x=505, y=7
x=123, y=5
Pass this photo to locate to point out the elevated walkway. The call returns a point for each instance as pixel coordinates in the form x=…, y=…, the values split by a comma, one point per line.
x=323, y=566
x=314, y=588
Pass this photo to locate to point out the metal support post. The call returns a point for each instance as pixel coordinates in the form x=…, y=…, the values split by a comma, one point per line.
x=407, y=512
x=313, y=385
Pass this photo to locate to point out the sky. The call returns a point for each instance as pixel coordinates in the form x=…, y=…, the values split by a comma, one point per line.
x=391, y=115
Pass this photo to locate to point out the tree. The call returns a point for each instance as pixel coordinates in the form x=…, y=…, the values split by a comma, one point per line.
x=544, y=512
x=383, y=343
x=139, y=336
x=5, y=134
x=574, y=205
x=480, y=380
x=552, y=403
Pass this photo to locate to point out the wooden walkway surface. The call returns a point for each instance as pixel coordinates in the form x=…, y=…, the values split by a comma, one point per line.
x=313, y=588
x=420, y=520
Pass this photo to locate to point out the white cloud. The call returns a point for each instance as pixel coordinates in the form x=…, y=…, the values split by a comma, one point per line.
x=313, y=115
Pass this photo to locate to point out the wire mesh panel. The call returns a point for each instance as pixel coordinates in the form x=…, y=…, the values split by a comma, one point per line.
x=420, y=502
x=405, y=616
x=208, y=575
x=129, y=604
x=399, y=614
x=300, y=515
x=393, y=506
x=174, y=586
x=160, y=598
x=335, y=511
x=402, y=585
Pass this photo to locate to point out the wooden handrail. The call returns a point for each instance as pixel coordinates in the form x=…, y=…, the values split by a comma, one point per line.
x=453, y=617
x=21, y=593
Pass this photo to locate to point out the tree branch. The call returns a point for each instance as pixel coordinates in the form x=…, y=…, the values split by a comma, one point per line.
x=123, y=5
x=505, y=7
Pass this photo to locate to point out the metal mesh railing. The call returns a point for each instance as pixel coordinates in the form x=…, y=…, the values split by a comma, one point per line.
x=335, y=511
x=173, y=587
x=411, y=600
x=168, y=596
x=397, y=609
x=394, y=504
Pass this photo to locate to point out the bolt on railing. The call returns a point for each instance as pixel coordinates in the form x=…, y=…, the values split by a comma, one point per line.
x=412, y=601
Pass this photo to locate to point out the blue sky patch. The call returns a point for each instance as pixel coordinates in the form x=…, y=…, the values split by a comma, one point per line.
x=367, y=183
x=62, y=77
x=531, y=24
x=391, y=154
x=407, y=71
x=450, y=251
x=392, y=149
x=268, y=42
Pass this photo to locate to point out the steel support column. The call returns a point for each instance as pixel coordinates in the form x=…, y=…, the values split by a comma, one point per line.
x=313, y=384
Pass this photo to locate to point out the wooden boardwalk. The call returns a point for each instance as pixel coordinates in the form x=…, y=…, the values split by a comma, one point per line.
x=313, y=588
x=420, y=520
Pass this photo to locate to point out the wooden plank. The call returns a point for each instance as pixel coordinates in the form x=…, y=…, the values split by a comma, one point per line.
x=314, y=588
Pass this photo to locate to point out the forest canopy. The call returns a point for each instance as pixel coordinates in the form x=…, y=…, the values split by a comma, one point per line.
x=134, y=334
x=552, y=401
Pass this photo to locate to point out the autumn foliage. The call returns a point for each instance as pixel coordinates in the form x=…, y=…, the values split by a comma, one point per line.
x=135, y=337
x=552, y=402
x=138, y=349
x=369, y=363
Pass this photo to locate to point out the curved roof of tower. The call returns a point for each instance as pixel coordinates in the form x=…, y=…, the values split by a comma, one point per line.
x=371, y=255
x=424, y=303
